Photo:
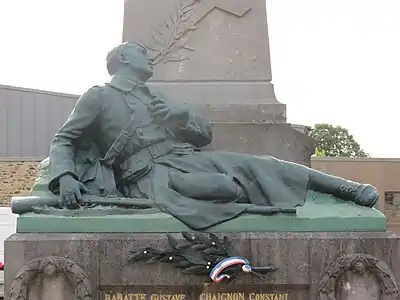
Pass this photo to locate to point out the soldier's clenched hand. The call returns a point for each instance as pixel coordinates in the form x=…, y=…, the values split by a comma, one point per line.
x=71, y=191
x=167, y=111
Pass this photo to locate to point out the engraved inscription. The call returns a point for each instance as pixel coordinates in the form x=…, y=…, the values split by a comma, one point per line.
x=125, y=296
x=243, y=296
x=207, y=291
x=139, y=296
x=202, y=296
x=254, y=296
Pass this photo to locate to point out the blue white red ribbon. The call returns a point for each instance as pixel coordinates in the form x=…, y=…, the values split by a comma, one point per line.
x=216, y=273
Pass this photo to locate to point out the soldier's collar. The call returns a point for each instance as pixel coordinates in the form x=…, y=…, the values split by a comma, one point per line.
x=124, y=84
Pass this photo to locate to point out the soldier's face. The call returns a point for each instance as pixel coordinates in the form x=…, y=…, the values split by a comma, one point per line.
x=137, y=57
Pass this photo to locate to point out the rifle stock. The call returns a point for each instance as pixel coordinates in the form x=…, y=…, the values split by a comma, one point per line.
x=21, y=205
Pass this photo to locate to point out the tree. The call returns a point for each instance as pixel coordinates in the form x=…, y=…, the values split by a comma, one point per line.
x=319, y=153
x=335, y=141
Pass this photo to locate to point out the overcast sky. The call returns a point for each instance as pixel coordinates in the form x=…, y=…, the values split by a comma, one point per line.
x=334, y=61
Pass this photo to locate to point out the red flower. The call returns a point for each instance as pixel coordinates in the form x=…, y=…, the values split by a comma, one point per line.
x=1, y=266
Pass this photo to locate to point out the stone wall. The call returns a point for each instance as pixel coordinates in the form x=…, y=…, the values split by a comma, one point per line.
x=16, y=179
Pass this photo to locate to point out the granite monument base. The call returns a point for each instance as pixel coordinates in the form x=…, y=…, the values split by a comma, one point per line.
x=310, y=266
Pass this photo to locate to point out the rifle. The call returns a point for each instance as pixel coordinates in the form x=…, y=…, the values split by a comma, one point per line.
x=21, y=205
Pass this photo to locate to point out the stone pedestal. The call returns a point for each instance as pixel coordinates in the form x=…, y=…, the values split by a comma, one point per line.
x=310, y=266
x=279, y=140
x=215, y=54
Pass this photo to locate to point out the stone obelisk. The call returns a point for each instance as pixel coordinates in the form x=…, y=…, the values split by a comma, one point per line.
x=215, y=54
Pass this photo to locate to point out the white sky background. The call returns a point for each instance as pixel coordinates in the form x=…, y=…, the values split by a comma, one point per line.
x=333, y=61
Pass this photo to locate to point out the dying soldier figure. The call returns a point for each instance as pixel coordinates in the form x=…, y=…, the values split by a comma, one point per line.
x=123, y=140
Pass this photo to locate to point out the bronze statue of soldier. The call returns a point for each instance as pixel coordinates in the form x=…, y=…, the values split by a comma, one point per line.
x=123, y=140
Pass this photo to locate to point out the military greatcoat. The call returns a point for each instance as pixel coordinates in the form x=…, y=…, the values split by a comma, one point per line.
x=164, y=162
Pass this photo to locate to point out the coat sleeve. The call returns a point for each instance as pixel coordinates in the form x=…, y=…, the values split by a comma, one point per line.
x=62, y=148
x=196, y=131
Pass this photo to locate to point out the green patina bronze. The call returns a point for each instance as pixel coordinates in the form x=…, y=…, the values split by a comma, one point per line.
x=321, y=213
x=124, y=142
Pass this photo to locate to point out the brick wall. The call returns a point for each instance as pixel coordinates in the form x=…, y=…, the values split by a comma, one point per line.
x=16, y=179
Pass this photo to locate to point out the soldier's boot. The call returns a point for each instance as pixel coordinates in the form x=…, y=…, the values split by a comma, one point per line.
x=361, y=194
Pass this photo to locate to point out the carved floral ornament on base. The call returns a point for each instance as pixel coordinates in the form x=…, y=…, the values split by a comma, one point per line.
x=172, y=36
x=201, y=254
x=361, y=264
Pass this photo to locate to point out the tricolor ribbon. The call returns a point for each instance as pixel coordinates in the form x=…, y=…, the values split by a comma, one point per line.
x=216, y=273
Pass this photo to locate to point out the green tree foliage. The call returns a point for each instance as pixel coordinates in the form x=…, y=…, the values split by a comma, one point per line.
x=319, y=153
x=335, y=141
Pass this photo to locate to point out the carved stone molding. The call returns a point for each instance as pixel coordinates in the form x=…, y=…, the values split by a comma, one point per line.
x=361, y=264
x=50, y=266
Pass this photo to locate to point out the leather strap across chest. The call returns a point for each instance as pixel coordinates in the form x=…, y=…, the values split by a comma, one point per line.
x=133, y=127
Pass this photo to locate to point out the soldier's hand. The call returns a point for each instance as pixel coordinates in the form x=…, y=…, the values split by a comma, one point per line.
x=71, y=191
x=168, y=111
